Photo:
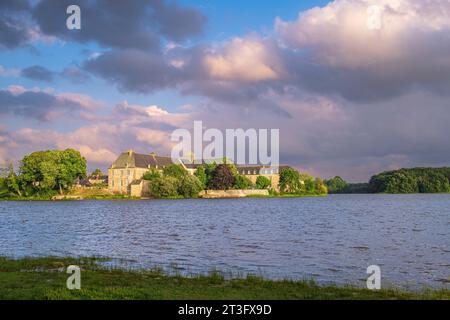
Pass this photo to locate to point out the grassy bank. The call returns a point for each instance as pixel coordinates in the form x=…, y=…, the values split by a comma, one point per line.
x=45, y=278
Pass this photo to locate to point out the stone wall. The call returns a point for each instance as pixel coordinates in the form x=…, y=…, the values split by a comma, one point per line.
x=140, y=189
x=217, y=194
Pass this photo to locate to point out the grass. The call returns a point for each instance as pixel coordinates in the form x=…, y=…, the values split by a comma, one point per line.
x=45, y=278
x=286, y=195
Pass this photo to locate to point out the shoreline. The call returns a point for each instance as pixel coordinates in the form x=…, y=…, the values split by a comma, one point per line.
x=129, y=198
x=45, y=278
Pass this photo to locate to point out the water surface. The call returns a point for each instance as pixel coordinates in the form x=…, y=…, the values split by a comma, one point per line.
x=331, y=239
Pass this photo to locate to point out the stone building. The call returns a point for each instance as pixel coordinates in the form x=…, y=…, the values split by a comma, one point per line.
x=128, y=169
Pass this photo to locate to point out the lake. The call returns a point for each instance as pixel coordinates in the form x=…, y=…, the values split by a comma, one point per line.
x=330, y=239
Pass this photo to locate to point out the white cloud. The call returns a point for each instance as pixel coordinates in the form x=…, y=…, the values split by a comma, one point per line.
x=245, y=59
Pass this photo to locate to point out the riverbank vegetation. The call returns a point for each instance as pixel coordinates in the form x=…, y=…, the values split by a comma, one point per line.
x=43, y=174
x=45, y=278
x=402, y=181
x=46, y=175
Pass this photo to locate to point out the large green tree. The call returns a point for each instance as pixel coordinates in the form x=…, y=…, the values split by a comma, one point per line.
x=290, y=181
x=52, y=170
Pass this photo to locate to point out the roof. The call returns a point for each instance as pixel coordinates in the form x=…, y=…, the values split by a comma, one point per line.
x=131, y=159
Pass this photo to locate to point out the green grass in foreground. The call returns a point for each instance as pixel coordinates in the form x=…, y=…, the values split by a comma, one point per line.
x=45, y=278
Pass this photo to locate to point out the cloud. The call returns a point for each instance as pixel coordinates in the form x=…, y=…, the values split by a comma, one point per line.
x=39, y=104
x=5, y=72
x=38, y=73
x=242, y=60
x=138, y=24
x=334, y=49
x=134, y=70
x=142, y=128
x=14, y=29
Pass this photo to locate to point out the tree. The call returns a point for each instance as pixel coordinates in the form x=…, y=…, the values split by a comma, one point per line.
x=164, y=187
x=222, y=178
x=336, y=185
x=289, y=181
x=174, y=171
x=320, y=187
x=151, y=175
x=96, y=173
x=190, y=186
x=200, y=173
x=263, y=182
x=70, y=166
x=12, y=182
x=52, y=170
x=242, y=182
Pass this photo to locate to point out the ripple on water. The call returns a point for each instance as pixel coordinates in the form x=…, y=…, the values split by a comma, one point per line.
x=331, y=239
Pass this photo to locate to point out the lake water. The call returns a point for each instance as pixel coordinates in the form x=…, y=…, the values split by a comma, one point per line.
x=331, y=239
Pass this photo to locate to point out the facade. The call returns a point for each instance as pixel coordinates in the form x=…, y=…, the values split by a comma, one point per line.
x=129, y=168
x=125, y=174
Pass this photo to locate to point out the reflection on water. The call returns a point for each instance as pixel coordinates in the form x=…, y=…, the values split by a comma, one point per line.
x=331, y=239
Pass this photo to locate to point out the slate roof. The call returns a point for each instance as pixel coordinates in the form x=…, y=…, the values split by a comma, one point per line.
x=131, y=159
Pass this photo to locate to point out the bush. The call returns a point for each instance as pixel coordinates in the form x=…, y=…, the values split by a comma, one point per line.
x=200, y=173
x=263, y=182
x=222, y=178
x=242, y=182
x=190, y=186
x=175, y=171
x=164, y=187
x=151, y=175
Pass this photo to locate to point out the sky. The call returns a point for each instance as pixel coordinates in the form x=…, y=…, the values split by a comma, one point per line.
x=355, y=87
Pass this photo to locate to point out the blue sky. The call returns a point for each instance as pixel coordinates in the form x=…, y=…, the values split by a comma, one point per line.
x=347, y=82
x=226, y=19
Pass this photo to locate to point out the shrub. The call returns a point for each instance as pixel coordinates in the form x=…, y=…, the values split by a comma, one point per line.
x=174, y=171
x=263, y=182
x=242, y=182
x=190, y=186
x=164, y=187
x=151, y=175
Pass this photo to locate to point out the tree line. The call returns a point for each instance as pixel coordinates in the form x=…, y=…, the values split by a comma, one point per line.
x=414, y=180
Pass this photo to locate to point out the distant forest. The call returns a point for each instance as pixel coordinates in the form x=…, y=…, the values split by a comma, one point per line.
x=415, y=180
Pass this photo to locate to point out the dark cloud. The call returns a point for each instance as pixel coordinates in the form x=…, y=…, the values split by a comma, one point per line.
x=121, y=24
x=13, y=29
x=177, y=23
x=14, y=5
x=38, y=73
x=134, y=70
x=34, y=104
